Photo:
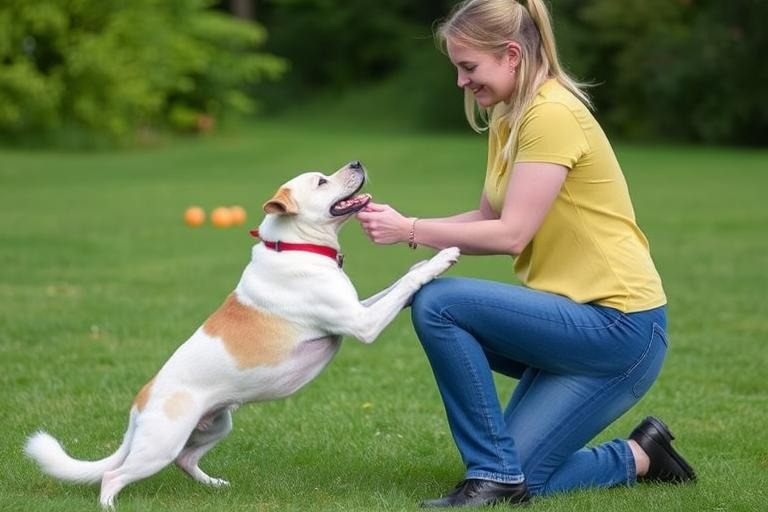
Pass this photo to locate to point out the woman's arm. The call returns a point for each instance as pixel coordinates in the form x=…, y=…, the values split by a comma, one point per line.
x=483, y=213
x=531, y=191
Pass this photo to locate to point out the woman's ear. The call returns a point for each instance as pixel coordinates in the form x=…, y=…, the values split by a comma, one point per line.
x=514, y=54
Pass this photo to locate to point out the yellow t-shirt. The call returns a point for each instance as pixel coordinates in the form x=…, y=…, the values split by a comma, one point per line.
x=589, y=247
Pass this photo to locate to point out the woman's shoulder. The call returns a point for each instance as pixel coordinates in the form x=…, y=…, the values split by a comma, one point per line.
x=555, y=104
x=552, y=93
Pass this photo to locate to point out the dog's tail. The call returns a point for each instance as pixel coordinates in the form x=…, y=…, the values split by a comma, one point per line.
x=54, y=461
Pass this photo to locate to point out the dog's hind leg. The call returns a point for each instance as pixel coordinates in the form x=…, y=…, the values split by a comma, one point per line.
x=160, y=436
x=200, y=442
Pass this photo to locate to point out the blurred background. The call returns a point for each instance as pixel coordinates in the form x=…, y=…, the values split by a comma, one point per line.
x=106, y=72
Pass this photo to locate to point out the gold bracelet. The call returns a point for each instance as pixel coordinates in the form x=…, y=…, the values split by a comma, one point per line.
x=412, y=235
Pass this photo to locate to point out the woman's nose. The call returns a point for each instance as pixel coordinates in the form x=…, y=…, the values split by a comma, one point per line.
x=462, y=81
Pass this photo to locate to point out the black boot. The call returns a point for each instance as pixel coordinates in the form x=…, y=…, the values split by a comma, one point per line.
x=666, y=465
x=473, y=492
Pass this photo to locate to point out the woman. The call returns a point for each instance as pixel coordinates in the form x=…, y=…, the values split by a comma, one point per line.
x=585, y=334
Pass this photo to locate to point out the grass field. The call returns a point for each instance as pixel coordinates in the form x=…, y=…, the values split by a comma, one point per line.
x=100, y=281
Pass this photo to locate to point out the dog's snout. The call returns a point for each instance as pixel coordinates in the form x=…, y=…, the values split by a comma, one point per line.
x=356, y=165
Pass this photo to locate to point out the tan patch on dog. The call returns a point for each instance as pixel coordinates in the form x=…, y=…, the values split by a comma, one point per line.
x=252, y=337
x=282, y=203
x=143, y=397
x=177, y=404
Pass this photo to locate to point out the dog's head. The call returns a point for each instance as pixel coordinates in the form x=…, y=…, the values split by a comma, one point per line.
x=312, y=207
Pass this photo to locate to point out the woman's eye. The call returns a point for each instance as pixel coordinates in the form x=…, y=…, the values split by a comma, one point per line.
x=322, y=181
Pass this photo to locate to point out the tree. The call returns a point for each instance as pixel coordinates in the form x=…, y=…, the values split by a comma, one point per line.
x=109, y=66
x=682, y=69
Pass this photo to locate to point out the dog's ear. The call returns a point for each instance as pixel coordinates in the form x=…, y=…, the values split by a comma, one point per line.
x=282, y=203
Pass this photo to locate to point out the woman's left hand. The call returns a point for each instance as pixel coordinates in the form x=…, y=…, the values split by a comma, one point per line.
x=383, y=224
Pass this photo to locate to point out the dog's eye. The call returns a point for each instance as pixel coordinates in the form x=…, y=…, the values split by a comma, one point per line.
x=322, y=181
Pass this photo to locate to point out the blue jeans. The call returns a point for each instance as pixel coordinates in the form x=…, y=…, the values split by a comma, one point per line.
x=580, y=367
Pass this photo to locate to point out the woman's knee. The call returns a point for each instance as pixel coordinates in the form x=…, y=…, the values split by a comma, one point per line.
x=429, y=298
x=429, y=303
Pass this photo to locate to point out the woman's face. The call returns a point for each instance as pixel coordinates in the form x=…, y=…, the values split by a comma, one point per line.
x=490, y=77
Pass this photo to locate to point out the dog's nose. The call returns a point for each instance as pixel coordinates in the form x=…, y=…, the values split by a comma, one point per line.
x=355, y=164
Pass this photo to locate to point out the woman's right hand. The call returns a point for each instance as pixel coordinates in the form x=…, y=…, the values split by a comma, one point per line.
x=383, y=224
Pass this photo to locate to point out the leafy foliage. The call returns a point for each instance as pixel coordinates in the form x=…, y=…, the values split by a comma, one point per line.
x=686, y=69
x=340, y=46
x=111, y=66
x=663, y=69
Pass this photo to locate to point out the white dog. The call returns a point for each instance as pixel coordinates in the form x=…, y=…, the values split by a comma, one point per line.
x=276, y=332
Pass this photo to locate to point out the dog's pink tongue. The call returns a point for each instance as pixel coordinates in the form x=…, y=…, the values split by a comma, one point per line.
x=352, y=201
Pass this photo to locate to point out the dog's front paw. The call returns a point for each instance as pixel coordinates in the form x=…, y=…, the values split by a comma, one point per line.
x=444, y=259
x=424, y=272
x=436, y=265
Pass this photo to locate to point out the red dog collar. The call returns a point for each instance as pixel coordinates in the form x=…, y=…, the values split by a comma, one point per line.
x=279, y=246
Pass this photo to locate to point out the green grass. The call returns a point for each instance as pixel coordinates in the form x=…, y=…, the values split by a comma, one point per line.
x=100, y=281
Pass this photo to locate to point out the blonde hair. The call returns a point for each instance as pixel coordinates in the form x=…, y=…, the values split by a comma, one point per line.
x=488, y=25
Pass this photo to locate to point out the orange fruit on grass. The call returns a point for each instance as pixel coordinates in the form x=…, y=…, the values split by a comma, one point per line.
x=221, y=217
x=194, y=216
x=238, y=215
